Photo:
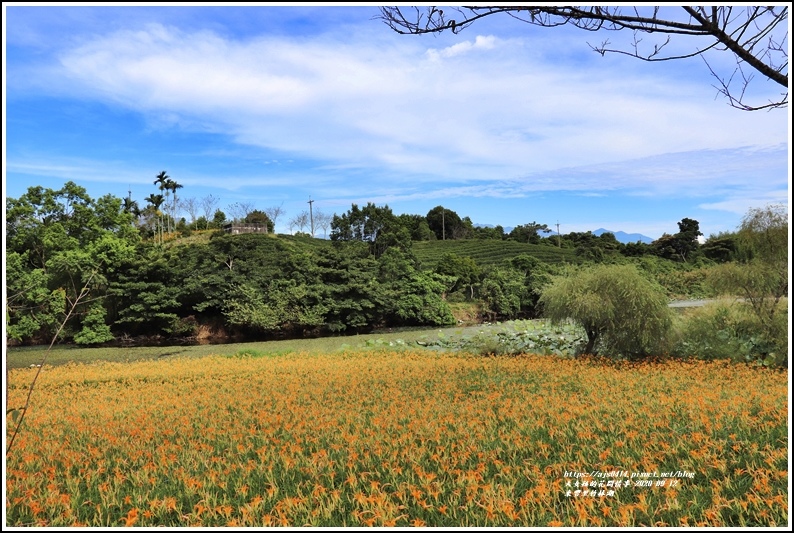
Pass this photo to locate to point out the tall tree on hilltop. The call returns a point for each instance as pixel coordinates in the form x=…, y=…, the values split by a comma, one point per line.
x=162, y=180
x=173, y=186
x=155, y=201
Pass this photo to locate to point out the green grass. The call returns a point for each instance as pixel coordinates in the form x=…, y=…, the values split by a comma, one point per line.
x=454, y=338
x=21, y=357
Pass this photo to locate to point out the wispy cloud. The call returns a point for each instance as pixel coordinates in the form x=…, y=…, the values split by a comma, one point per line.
x=391, y=107
x=367, y=115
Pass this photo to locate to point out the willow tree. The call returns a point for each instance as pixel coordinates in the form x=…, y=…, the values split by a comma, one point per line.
x=621, y=312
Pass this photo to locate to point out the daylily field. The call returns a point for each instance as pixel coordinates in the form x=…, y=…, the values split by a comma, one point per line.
x=399, y=438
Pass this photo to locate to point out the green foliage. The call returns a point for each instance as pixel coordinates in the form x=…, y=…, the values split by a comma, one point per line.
x=417, y=227
x=282, y=304
x=57, y=240
x=33, y=310
x=528, y=232
x=412, y=297
x=369, y=275
x=218, y=219
x=143, y=292
x=722, y=247
x=514, y=289
x=761, y=277
x=683, y=246
x=503, y=293
x=374, y=225
x=763, y=235
x=260, y=217
x=680, y=280
x=621, y=312
x=349, y=276
x=95, y=330
x=446, y=224
x=731, y=330
x=488, y=252
x=495, y=233
x=463, y=270
x=513, y=338
x=590, y=247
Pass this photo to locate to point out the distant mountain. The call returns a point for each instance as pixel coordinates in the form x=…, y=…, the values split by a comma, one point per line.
x=623, y=237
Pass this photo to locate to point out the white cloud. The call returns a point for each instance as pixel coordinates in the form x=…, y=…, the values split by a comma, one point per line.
x=503, y=123
x=480, y=43
x=740, y=205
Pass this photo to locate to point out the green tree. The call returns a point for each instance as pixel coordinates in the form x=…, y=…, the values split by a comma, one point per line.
x=683, y=245
x=635, y=249
x=587, y=246
x=761, y=276
x=417, y=227
x=535, y=275
x=155, y=215
x=61, y=246
x=464, y=270
x=502, y=293
x=411, y=297
x=621, y=312
x=218, y=219
x=721, y=247
x=259, y=217
x=446, y=223
x=377, y=226
x=352, y=291
x=163, y=182
x=143, y=292
x=528, y=232
x=33, y=309
x=95, y=330
x=173, y=186
x=484, y=232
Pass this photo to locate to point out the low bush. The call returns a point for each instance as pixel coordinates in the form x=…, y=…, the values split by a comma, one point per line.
x=728, y=329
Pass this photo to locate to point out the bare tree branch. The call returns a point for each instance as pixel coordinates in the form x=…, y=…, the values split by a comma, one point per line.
x=755, y=35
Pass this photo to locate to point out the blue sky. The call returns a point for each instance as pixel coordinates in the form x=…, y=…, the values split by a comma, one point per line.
x=268, y=106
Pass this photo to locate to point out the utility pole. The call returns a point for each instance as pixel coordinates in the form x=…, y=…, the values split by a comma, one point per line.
x=559, y=244
x=443, y=226
x=311, y=215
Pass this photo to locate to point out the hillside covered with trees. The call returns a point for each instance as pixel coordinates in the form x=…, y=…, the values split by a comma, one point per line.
x=94, y=271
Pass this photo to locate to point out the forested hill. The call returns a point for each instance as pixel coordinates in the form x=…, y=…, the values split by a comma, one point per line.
x=108, y=271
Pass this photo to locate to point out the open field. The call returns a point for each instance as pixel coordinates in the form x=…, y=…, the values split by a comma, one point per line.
x=25, y=356
x=408, y=437
x=21, y=357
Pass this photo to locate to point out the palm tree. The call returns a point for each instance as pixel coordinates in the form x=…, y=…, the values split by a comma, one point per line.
x=131, y=206
x=162, y=182
x=155, y=201
x=173, y=186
